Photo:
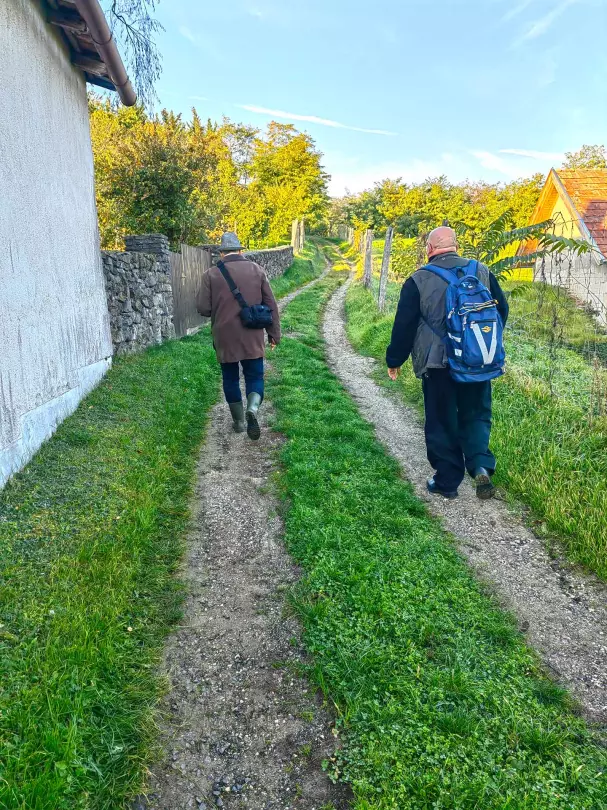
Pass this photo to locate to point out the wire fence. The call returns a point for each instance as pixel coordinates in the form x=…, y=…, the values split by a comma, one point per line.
x=557, y=331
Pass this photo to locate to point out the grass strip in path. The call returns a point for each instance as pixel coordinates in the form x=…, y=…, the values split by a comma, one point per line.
x=441, y=705
x=549, y=455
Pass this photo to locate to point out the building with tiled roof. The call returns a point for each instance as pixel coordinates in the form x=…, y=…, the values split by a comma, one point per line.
x=576, y=202
x=55, y=338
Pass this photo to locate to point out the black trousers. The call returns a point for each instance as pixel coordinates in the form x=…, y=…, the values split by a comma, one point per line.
x=458, y=427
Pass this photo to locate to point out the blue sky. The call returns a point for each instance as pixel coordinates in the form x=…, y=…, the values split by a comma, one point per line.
x=479, y=89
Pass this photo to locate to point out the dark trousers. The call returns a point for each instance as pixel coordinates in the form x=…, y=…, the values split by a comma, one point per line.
x=253, y=378
x=458, y=427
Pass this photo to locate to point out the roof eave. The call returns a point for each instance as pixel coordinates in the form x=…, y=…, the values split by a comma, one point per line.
x=92, y=45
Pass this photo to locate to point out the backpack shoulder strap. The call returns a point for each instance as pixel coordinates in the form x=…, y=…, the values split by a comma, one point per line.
x=449, y=276
x=471, y=268
x=230, y=281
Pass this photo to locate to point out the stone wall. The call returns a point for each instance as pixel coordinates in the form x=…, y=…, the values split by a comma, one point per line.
x=139, y=293
x=273, y=260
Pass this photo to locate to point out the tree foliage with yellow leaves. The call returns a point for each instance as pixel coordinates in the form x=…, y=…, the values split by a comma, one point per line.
x=193, y=180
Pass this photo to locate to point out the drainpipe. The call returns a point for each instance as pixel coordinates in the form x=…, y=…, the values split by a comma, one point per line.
x=92, y=14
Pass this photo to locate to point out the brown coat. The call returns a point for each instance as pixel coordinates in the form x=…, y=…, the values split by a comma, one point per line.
x=233, y=342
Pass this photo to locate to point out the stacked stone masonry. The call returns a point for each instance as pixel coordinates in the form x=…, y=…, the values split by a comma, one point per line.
x=274, y=260
x=139, y=293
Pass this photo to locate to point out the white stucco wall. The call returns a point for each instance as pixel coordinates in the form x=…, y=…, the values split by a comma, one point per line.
x=54, y=328
x=584, y=276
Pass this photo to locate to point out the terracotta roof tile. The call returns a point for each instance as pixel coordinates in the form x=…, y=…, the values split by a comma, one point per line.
x=588, y=191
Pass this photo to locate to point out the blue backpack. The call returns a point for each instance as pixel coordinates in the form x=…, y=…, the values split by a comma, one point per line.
x=475, y=332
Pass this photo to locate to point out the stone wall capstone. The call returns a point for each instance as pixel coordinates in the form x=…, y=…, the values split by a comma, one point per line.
x=273, y=260
x=139, y=293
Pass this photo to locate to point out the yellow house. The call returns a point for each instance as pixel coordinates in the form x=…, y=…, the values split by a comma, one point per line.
x=576, y=201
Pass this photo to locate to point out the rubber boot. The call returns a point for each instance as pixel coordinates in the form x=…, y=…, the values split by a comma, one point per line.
x=237, y=411
x=484, y=486
x=253, y=403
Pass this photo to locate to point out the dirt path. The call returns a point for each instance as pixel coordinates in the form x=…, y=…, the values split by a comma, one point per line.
x=563, y=614
x=242, y=729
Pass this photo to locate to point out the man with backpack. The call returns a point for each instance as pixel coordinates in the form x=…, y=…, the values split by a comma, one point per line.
x=237, y=297
x=450, y=320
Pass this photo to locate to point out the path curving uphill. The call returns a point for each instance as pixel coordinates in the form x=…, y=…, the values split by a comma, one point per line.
x=241, y=728
x=563, y=614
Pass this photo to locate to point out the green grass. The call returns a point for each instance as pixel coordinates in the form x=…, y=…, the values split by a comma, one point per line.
x=549, y=455
x=91, y=534
x=440, y=704
x=306, y=267
x=541, y=310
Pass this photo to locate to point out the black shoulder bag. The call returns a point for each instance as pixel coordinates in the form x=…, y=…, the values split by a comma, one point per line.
x=259, y=316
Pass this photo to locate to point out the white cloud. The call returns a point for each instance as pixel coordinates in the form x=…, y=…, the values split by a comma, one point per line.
x=511, y=167
x=199, y=98
x=516, y=10
x=186, y=32
x=535, y=155
x=489, y=160
x=311, y=119
x=256, y=12
x=539, y=27
x=547, y=69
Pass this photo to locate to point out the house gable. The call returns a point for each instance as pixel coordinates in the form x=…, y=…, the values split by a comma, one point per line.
x=576, y=200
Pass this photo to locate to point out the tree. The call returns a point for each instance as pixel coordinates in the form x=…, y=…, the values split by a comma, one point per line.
x=416, y=209
x=588, y=157
x=134, y=26
x=193, y=180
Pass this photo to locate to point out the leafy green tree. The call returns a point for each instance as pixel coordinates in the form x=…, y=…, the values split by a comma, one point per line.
x=192, y=180
x=588, y=157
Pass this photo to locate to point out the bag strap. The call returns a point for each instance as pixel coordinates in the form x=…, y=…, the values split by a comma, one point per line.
x=230, y=281
x=471, y=268
x=449, y=275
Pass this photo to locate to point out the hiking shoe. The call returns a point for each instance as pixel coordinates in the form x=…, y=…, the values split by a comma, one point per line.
x=253, y=429
x=237, y=410
x=484, y=485
x=433, y=489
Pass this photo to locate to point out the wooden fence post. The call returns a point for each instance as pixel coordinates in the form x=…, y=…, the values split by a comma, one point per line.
x=385, y=267
x=295, y=234
x=368, y=259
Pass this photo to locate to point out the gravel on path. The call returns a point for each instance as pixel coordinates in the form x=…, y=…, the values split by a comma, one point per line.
x=241, y=728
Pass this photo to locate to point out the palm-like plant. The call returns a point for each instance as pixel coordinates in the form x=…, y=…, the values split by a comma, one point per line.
x=496, y=246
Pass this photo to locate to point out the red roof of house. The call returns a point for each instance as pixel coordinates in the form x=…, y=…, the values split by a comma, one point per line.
x=587, y=189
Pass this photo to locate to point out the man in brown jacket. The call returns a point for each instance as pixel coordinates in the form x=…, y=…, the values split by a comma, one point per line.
x=234, y=343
